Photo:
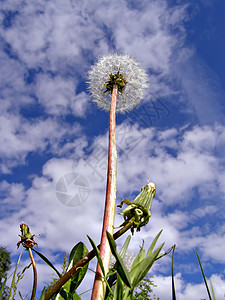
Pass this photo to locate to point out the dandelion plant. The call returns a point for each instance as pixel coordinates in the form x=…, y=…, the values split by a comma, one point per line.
x=117, y=84
x=27, y=240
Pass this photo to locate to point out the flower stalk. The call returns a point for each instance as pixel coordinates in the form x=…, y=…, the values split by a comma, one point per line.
x=110, y=201
x=35, y=275
x=120, y=77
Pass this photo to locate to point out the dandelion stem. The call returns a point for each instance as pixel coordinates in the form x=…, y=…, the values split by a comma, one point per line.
x=35, y=274
x=110, y=202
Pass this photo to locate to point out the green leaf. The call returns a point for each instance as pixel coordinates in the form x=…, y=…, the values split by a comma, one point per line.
x=45, y=259
x=143, y=267
x=112, y=274
x=12, y=287
x=125, y=246
x=76, y=254
x=203, y=274
x=173, y=283
x=96, y=250
x=165, y=253
x=154, y=243
x=118, y=291
x=42, y=297
x=76, y=297
x=63, y=294
x=139, y=257
x=212, y=288
x=121, y=268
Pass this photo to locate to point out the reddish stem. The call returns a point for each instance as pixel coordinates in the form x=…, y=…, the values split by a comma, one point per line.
x=35, y=275
x=110, y=202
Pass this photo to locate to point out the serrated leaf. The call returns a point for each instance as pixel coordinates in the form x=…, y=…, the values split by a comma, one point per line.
x=96, y=250
x=121, y=268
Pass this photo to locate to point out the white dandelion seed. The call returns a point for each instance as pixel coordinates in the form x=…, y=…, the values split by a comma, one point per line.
x=135, y=82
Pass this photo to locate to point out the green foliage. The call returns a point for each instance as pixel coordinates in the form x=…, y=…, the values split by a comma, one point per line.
x=125, y=282
x=14, y=283
x=5, y=263
x=120, y=265
x=47, y=261
x=97, y=254
x=173, y=283
x=68, y=291
x=144, y=290
x=206, y=284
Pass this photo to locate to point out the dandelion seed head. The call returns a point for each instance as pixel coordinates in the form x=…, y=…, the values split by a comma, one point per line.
x=134, y=75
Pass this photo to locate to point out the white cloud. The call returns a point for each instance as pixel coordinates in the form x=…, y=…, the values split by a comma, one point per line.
x=58, y=41
x=41, y=201
x=57, y=95
x=20, y=137
x=202, y=91
x=188, y=291
x=178, y=163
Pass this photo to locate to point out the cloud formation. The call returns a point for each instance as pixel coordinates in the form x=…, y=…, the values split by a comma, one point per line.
x=47, y=48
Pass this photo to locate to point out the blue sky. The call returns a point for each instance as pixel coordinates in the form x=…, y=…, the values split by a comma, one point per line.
x=51, y=131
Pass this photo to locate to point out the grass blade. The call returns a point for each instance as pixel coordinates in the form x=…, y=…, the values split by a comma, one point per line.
x=213, y=293
x=14, y=276
x=173, y=282
x=203, y=274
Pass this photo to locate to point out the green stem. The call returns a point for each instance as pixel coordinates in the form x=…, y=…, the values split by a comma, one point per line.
x=77, y=267
x=110, y=202
x=35, y=275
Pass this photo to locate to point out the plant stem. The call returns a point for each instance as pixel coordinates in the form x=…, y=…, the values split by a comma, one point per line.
x=35, y=275
x=110, y=202
x=81, y=263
